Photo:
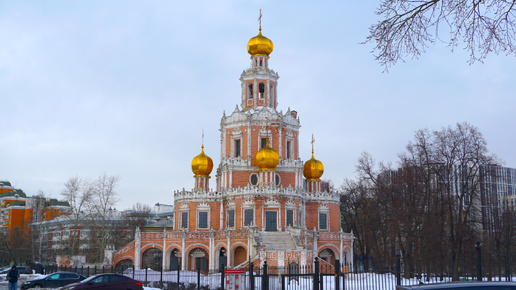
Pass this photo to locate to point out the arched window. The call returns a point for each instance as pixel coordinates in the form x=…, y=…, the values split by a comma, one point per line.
x=261, y=89
x=250, y=91
x=271, y=92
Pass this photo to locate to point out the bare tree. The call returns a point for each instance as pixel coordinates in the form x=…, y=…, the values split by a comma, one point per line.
x=409, y=26
x=104, y=198
x=434, y=191
x=79, y=194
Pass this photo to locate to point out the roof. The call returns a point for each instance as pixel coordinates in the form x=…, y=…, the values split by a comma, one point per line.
x=5, y=183
x=18, y=192
x=55, y=202
x=17, y=203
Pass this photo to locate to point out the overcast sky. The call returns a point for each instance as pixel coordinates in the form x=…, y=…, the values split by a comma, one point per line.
x=126, y=88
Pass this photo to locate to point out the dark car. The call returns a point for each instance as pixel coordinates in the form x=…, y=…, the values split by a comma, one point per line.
x=53, y=280
x=21, y=270
x=107, y=281
x=463, y=286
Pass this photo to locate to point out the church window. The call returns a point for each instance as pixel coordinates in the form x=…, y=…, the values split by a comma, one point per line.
x=261, y=90
x=203, y=220
x=253, y=179
x=271, y=92
x=237, y=148
x=323, y=221
x=250, y=91
x=289, y=143
x=184, y=220
x=290, y=218
x=263, y=142
x=231, y=218
x=248, y=217
x=277, y=179
x=261, y=62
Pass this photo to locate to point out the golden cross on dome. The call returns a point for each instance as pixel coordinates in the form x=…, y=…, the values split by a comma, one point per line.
x=260, y=19
x=313, y=141
x=202, y=139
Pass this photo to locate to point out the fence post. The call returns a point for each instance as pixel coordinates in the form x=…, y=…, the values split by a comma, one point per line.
x=161, y=275
x=316, y=274
x=95, y=270
x=146, y=269
x=133, y=271
x=478, y=247
x=198, y=276
x=398, y=269
x=251, y=275
x=222, y=276
x=88, y=271
x=265, y=278
x=337, y=274
x=178, y=271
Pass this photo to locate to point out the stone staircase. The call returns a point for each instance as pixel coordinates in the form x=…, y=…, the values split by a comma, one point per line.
x=276, y=241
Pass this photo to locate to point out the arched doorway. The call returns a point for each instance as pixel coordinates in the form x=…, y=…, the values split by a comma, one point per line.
x=152, y=258
x=175, y=260
x=197, y=258
x=328, y=256
x=239, y=256
x=123, y=265
x=223, y=258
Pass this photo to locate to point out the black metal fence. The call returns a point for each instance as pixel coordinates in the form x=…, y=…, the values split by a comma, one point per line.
x=318, y=275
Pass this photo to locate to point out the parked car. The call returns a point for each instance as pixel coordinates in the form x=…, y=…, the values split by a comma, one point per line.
x=4, y=269
x=463, y=286
x=53, y=280
x=21, y=269
x=106, y=281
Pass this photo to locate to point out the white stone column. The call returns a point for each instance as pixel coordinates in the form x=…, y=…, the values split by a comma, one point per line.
x=164, y=261
x=228, y=262
x=137, y=248
x=183, y=251
x=211, y=253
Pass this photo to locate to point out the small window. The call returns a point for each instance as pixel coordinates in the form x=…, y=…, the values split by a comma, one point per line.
x=250, y=91
x=231, y=218
x=288, y=149
x=203, y=220
x=290, y=218
x=261, y=90
x=237, y=148
x=254, y=179
x=248, y=217
x=263, y=142
x=184, y=220
x=322, y=221
x=277, y=179
x=261, y=62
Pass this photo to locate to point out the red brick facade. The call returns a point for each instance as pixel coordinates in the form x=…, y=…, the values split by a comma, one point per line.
x=252, y=208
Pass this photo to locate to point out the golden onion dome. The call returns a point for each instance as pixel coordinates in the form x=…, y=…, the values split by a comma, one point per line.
x=202, y=164
x=267, y=158
x=313, y=169
x=259, y=45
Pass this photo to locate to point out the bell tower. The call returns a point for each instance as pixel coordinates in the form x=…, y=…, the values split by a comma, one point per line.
x=255, y=130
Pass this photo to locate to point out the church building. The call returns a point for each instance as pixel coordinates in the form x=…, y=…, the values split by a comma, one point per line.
x=267, y=204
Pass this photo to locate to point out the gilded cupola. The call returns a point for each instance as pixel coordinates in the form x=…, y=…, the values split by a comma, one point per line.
x=259, y=45
x=313, y=169
x=202, y=164
x=267, y=158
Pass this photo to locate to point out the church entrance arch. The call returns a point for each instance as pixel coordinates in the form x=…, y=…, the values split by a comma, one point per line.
x=239, y=256
x=175, y=260
x=123, y=265
x=223, y=258
x=328, y=256
x=197, y=258
x=152, y=258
